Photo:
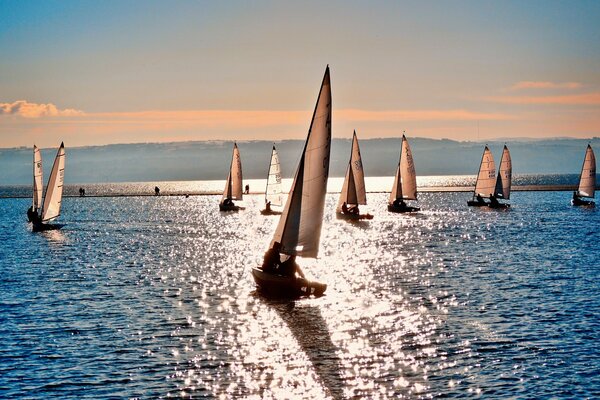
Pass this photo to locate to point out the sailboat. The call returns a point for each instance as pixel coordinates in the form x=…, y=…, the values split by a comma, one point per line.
x=587, y=180
x=353, y=191
x=233, y=186
x=486, y=180
x=405, y=182
x=299, y=230
x=503, y=181
x=273, y=194
x=50, y=209
x=38, y=182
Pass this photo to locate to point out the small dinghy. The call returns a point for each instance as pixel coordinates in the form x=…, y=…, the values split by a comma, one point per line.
x=273, y=194
x=405, y=182
x=233, y=186
x=299, y=230
x=486, y=180
x=503, y=181
x=353, y=191
x=587, y=180
x=53, y=196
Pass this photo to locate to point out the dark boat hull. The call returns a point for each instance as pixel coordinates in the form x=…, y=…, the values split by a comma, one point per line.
x=46, y=227
x=223, y=207
x=475, y=203
x=286, y=287
x=270, y=212
x=353, y=217
x=583, y=203
x=405, y=209
x=500, y=206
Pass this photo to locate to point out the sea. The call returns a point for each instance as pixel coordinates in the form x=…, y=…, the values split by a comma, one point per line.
x=147, y=297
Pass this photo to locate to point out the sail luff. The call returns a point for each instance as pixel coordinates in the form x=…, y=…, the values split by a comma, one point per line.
x=53, y=196
x=408, y=175
x=299, y=228
x=38, y=180
x=273, y=191
x=486, y=178
x=587, y=179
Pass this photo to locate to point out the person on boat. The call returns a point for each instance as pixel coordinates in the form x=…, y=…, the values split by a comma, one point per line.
x=493, y=201
x=344, y=208
x=399, y=203
x=354, y=210
x=156, y=191
x=272, y=259
x=480, y=199
x=578, y=201
x=268, y=206
x=31, y=215
x=247, y=189
x=290, y=268
x=228, y=202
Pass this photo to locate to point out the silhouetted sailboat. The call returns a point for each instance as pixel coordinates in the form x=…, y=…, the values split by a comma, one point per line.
x=486, y=180
x=299, y=230
x=53, y=196
x=503, y=181
x=233, y=186
x=405, y=182
x=353, y=191
x=587, y=180
x=273, y=194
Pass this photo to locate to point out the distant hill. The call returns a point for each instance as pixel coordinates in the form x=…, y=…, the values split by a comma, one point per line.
x=210, y=160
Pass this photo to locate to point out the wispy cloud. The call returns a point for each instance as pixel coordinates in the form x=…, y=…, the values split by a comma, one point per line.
x=584, y=99
x=25, y=109
x=545, y=85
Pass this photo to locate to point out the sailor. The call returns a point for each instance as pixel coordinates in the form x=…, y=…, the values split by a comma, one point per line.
x=156, y=190
x=268, y=206
x=290, y=268
x=247, y=189
x=577, y=199
x=31, y=215
x=344, y=208
x=493, y=201
x=354, y=210
x=272, y=259
x=399, y=203
x=480, y=199
x=228, y=202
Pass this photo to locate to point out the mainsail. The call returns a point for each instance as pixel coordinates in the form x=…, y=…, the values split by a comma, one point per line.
x=299, y=228
x=233, y=186
x=587, y=180
x=54, y=190
x=486, y=179
x=504, y=179
x=273, y=191
x=405, y=181
x=353, y=191
x=38, y=181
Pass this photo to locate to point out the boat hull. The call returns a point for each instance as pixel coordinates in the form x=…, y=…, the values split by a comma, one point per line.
x=46, y=227
x=405, y=209
x=233, y=208
x=353, y=217
x=286, y=287
x=499, y=206
x=270, y=212
x=475, y=203
x=583, y=203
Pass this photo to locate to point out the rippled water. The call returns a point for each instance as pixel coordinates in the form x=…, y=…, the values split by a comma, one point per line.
x=152, y=297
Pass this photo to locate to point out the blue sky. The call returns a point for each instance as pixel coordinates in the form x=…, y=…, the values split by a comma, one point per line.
x=127, y=71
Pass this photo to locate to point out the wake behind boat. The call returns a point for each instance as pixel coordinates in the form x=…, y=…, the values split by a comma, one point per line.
x=273, y=194
x=233, y=185
x=405, y=182
x=353, y=191
x=587, y=180
x=299, y=230
x=53, y=196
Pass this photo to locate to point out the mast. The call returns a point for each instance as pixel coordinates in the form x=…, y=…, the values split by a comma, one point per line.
x=53, y=196
x=299, y=228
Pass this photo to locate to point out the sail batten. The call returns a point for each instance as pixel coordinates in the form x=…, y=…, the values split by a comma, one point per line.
x=353, y=191
x=486, y=178
x=587, y=179
x=273, y=191
x=299, y=228
x=54, y=190
x=233, y=185
x=38, y=180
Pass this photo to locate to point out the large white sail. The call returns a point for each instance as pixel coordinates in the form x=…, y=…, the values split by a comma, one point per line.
x=504, y=179
x=233, y=186
x=587, y=180
x=408, y=175
x=486, y=179
x=38, y=181
x=299, y=228
x=353, y=191
x=54, y=190
x=273, y=191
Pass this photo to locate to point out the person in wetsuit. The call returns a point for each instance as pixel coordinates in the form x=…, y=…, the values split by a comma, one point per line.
x=290, y=268
x=268, y=206
x=493, y=201
x=272, y=259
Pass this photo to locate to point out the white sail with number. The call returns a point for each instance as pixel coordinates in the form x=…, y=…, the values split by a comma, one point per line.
x=38, y=181
x=353, y=191
x=405, y=181
x=273, y=192
x=504, y=179
x=587, y=179
x=299, y=228
x=486, y=179
x=233, y=186
x=54, y=190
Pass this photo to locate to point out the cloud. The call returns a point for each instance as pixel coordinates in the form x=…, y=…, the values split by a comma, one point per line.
x=584, y=99
x=545, y=85
x=417, y=115
x=25, y=109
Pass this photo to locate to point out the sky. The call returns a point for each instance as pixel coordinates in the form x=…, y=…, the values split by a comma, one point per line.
x=101, y=72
